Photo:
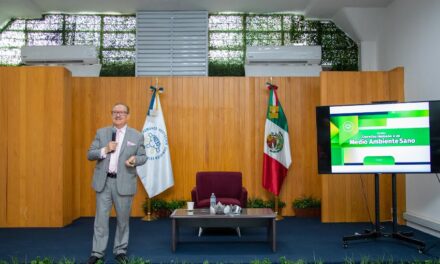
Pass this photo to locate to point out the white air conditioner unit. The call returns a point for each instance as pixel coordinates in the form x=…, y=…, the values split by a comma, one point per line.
x=81, y=61
x=283, y=61
x=59, y=55
x=283, y=55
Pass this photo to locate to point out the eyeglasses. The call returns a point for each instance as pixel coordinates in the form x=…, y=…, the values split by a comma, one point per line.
x=121, y=113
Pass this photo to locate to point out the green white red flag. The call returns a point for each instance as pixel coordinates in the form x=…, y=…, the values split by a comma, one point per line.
x=277, y=158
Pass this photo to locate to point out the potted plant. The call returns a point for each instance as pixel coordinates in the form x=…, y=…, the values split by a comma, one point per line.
x=260, y=203
x=162, y=208
x=281, y=205
x=307, y=206
x=176, y=204
x=256, y=203
x=159, y=207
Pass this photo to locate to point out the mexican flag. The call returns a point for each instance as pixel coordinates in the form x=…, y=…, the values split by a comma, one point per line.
x=277, y=157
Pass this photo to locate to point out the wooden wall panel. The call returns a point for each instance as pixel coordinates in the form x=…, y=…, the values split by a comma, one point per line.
x=37, y=151
x=7, y=76
x=348, y=198
x=79, y=125
x=396, y=83
x=214, y=123
x=88, y=114
x=67, y=148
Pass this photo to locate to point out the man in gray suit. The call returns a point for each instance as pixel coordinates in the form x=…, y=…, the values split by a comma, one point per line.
x=118, y=149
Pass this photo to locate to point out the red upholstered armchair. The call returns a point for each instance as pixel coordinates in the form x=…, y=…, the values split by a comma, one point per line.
x=226, y=186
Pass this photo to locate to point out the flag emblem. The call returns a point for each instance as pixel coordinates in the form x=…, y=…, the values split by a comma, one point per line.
x=275, y=142
x=155, y=141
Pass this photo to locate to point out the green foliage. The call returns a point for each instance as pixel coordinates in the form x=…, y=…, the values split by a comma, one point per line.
x=260, y=203
x=261, y=261
x=256, y=203
x=348, y=260
x=230, y=34
x=271, y=204
x=14, y=260
x=45, y=260
x=138, y=261
x=306, y=202
x=157, y=204
x=160, y=204
x=114, y=36
x=282, y=260
x=118, y=69
x=176, y=204
x=222, y=68
x=67, y=261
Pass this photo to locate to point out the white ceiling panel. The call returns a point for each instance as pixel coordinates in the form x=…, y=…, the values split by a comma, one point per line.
x=324, y=9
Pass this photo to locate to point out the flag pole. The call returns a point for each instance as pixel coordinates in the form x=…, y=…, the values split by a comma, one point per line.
x=277, y=157
x=278, y=217
x=149, y=217
x=159, y=172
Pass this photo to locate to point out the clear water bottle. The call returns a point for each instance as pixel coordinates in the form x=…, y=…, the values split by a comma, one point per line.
x=213, y=201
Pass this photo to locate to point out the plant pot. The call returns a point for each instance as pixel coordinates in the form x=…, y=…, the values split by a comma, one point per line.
x=307, y=212
x=162, y=213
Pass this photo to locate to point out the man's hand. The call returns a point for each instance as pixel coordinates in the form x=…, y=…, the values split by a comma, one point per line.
x=131, y=161
x=111, y=147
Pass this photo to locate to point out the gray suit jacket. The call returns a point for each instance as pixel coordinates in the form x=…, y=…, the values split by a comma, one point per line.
x=133, y=144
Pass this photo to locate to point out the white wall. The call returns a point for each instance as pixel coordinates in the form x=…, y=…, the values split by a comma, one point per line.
x=406, y=33
x=18, y=9
x=368, y=55
x=364, y=26
x=410, y=37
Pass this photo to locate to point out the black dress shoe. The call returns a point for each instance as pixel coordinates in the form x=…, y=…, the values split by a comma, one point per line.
x=94, y=259
x=121, y=258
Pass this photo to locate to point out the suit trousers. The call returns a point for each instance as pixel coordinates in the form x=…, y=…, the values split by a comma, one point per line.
x=104, y=201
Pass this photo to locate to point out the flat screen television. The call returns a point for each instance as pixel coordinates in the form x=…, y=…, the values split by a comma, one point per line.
x=379, y=138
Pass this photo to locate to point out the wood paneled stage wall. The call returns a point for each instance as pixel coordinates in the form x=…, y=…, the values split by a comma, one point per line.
x=348, y=198
x=36, y=171
x=214, y=123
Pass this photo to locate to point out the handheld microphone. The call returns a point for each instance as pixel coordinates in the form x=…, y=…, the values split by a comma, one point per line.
x=113, y=137
x=113, y=134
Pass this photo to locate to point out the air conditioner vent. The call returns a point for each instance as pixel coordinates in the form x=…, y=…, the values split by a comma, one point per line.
x=283, y=61
x=81, y=61
x=44, y=55
x=40, y=62
x=283, y=54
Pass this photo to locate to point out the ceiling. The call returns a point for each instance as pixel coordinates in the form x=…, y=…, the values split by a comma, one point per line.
x=322, y=9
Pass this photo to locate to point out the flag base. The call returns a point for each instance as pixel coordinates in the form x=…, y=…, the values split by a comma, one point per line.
x=149, y=218
x=279, y=217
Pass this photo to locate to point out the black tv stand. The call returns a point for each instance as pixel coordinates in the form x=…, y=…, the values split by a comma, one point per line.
x=376, y=232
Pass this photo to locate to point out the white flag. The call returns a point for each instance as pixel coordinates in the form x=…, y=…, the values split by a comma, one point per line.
x=156, y=174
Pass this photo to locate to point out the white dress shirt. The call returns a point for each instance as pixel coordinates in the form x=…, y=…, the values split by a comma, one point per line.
x=113, y=166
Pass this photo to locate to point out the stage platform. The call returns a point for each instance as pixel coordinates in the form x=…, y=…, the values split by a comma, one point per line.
x=297, y=238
